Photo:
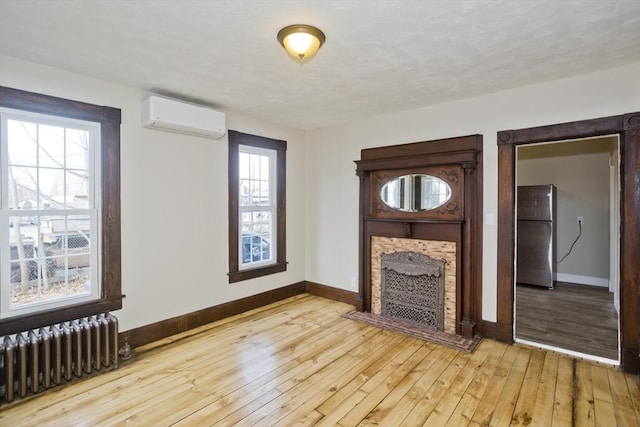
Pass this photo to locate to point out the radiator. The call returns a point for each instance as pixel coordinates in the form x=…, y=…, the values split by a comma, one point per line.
x=39, y=359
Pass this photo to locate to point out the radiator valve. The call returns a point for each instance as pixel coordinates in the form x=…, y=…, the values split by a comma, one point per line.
x=125, y=350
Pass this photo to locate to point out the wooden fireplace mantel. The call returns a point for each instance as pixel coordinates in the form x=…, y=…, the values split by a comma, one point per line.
x=458, y=162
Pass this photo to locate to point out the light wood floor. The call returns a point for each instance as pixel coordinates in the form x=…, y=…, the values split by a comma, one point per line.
x=298, y=362
x=574, y=317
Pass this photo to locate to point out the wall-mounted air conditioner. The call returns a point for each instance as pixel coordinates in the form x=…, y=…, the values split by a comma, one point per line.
x=176, y=116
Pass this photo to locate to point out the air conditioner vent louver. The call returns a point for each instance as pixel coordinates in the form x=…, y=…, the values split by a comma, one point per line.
x=176, y=116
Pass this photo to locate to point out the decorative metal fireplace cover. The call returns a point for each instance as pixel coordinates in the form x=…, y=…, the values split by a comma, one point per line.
x=413, y=288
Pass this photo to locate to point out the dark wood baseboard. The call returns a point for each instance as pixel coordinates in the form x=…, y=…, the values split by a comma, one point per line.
x=488, y=329
x=156, y=331
x=336, y=294
x=165, y=328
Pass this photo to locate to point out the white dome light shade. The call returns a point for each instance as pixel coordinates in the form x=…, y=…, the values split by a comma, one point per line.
x=301, y=41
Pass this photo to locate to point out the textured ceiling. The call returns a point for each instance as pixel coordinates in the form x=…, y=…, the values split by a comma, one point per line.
x=381, y=56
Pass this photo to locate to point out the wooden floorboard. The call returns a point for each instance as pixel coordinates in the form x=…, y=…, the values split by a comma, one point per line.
x=298, y=362
x=575, y=317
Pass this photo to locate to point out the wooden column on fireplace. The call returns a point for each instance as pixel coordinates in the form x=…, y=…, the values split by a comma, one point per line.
x=454, y=161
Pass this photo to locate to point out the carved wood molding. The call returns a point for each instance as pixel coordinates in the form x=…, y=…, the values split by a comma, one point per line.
x=452, y=210
x=456, y=161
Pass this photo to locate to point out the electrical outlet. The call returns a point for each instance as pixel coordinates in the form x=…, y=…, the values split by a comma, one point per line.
x=354, y=284
x=580, y=220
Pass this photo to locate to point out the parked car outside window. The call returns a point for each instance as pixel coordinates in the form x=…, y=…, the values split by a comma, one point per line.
x=254, y=248
x=77, y=251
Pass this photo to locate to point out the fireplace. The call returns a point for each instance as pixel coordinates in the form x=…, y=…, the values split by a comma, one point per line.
x=421, y=234
x=439, y=250
x=413, y=288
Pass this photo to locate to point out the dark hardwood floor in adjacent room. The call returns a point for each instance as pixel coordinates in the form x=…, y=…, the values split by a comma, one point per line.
x=574, y=317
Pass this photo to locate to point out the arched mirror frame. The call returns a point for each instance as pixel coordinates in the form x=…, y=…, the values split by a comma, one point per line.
x=627, y=126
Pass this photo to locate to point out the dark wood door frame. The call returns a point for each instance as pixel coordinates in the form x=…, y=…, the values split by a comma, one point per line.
x=627, y=127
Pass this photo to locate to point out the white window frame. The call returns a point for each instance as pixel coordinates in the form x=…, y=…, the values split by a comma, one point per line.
x=271, y=206
x=94, y=212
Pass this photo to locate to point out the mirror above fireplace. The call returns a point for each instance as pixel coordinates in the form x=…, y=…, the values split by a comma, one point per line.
x=415, y=193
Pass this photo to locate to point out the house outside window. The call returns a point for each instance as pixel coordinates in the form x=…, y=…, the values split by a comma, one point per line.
x=50, y=218
x=256, y=206
x=59, y=210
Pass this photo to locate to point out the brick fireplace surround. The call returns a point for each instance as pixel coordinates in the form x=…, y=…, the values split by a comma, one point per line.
x=434, y=249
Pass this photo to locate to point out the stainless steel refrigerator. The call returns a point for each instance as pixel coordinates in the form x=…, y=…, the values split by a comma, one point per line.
x=535, y=235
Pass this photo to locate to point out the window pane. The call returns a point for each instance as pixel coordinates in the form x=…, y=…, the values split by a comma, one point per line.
x=264, y=168
x=254, y=166
x=77, y=189
x=246, y=219
x=51, y=146
x=244, y=192
x=22, y=258
x=255, y=193
x=244, y=166
x=51, y=188
x=254, y=183
x=50, y=259
x=255, y=248
x=46, y=171
x=261, y=218
x=22, y=189
x=256, y=236
x=264, y=192
x=77, y=149
x=22, y=143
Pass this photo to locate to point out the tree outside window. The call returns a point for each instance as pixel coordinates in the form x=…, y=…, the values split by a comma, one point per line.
x=59, y=210
x=49, y=211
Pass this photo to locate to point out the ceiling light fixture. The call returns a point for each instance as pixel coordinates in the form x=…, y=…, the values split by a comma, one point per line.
x=301, y=41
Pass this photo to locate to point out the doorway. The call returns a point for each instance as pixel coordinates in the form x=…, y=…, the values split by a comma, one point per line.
x=627, y=127
x=578, y=313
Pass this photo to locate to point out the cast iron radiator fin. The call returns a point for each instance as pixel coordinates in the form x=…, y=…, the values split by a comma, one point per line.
x=36, y=360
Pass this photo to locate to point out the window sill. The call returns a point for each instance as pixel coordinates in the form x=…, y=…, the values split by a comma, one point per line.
x=238, y=276
x=12, y=325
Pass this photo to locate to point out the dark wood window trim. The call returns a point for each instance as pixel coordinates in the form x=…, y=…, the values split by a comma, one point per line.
x=627, y=127
x=235, y=140
x=109, y=119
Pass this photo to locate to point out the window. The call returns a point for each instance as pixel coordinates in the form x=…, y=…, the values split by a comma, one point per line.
x=59, y=210
x=257, y=244
x=257, y=206
x=50, y=212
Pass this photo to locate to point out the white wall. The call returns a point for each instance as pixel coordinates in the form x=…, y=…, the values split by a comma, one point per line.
x=174, y=187
x=174, y=202
x=332, y=187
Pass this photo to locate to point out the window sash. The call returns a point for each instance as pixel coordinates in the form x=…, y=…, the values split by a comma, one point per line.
x=246, y=255
x=91, y=211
